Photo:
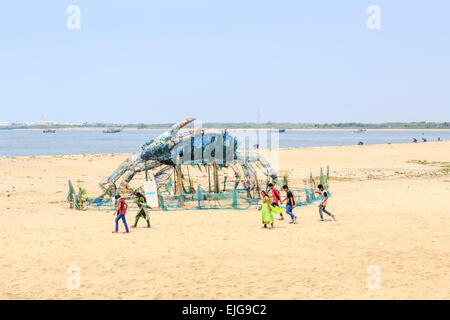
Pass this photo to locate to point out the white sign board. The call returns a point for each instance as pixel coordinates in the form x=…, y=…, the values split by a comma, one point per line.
x=151, y=193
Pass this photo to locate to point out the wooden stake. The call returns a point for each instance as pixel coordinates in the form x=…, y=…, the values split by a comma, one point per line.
x=209, y=179
x=179, y=184
x=216, y=177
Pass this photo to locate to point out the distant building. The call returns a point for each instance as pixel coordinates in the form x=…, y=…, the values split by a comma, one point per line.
x=47, y=123
x=5, y=124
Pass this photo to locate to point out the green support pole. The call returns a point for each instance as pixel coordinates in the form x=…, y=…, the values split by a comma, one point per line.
x=146, y=171
x=235, y=204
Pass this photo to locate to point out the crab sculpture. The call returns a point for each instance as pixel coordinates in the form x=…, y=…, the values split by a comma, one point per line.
x=190, y=147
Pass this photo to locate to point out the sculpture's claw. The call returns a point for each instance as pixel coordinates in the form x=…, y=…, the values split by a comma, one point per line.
x=160, y=147
x=177, y=137
x=180, y=125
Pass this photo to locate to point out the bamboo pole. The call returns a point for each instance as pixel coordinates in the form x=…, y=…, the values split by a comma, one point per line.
x=175, y=181
x=209, y=179
x=216, y=177
x=179, y=184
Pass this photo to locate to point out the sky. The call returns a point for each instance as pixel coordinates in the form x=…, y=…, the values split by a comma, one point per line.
x=222, y=61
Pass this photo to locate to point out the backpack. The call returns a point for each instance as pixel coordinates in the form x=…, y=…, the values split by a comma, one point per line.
x=276, y=193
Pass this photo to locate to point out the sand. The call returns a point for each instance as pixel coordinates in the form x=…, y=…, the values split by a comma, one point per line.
x=393, y=215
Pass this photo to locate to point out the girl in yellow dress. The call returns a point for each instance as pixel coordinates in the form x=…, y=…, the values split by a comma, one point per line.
x=266, y=212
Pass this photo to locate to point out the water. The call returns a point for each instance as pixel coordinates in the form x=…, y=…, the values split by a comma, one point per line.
x=34, y=142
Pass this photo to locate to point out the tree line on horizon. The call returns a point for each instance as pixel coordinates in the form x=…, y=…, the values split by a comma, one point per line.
x=253, y=125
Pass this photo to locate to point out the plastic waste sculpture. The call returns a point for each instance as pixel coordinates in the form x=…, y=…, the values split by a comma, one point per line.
x=168, y=157
x=175, y=148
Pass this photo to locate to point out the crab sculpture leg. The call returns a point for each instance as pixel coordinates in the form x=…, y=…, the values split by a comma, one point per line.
x=248, y=160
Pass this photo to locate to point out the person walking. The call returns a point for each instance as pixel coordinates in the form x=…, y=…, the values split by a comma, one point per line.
x=275, y=199
x=121, y=210
x=323, y=204
x=290, y=204
x=266, y=213
x=142, y=210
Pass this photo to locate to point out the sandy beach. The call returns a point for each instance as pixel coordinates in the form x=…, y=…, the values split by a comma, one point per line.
x=391, y=203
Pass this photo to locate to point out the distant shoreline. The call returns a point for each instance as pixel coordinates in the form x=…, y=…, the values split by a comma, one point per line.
x=392, y=125
x=231, y=129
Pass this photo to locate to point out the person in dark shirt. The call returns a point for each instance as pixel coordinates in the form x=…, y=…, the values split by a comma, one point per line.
x=290, y=204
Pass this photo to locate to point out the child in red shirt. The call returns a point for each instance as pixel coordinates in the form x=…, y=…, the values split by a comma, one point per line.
x=121, y=210
x=275, y=197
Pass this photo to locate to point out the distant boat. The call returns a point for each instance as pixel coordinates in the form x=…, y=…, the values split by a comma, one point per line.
x=360, y=131
x=49, y=131
x=112, y=130
x=281, y=130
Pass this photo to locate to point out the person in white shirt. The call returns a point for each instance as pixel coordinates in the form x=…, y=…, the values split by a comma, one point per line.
x=324, y=193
